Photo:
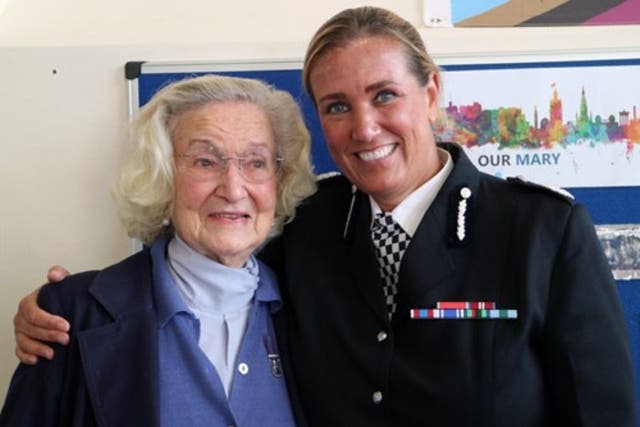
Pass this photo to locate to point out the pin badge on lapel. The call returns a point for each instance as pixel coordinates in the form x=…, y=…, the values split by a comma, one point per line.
x=272, y=356
x=460, y=216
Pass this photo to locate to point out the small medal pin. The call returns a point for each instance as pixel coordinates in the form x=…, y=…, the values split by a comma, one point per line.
x=480, y=305
x=272, y=356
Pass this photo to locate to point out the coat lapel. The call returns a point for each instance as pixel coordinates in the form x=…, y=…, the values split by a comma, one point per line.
x=426, y=263
x=430, y=259
x=120, y=359
x=361, y=253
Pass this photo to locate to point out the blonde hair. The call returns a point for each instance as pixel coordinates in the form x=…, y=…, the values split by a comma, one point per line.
x=352, y=24
x=145, y=188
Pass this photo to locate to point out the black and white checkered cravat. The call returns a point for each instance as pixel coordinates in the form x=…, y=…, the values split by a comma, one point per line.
x=390, y=241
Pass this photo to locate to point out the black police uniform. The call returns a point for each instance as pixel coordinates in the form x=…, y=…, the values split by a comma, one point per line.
x=564, y=361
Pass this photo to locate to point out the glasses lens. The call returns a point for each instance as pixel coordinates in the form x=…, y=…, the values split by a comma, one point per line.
x=202, y=164
x=256, y=168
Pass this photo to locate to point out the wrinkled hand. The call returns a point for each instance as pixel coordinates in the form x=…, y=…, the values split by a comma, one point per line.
x=34, y=326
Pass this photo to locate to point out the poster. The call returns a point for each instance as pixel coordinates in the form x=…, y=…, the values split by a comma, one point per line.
x=621, y=244
x=562, y=123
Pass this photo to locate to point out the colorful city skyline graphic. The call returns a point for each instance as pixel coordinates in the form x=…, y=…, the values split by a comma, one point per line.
x=472, y=125
x=571, y=123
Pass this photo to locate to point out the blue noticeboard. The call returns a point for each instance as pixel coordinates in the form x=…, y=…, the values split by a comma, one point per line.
x=607, y=205
x=146, y=78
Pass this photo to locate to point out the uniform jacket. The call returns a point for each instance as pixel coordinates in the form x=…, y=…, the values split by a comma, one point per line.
x=107, y=376
x=564, y=361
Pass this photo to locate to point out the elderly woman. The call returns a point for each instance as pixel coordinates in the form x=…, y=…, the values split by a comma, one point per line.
x=183, y=333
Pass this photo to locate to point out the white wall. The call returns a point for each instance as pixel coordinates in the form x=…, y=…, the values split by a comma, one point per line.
x=63, y=106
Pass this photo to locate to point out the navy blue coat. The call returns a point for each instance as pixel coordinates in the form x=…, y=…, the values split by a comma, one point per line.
x=108, y=374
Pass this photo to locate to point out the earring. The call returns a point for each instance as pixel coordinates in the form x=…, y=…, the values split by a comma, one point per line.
x=165, y=222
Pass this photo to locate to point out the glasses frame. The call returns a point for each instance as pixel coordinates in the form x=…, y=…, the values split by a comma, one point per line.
x=239, y=161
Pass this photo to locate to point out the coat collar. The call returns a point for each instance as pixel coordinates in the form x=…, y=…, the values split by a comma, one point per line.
x=120, y=358
x=362, y=254
x=428, y=260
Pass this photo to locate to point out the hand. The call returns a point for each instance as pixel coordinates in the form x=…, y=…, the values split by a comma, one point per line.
x=32, y=325
x=56, y=273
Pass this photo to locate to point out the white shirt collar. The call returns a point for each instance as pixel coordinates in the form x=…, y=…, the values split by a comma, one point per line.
x=410, y=211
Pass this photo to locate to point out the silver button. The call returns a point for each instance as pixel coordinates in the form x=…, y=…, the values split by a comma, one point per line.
x=465, y=192
x=243, y=368
x=382, y=335
x=377, y=397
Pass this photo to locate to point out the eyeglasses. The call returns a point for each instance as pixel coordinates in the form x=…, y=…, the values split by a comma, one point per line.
x=206, y=164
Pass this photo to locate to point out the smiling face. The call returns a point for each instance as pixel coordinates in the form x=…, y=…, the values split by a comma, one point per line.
x=224, y=218
x=376, y=117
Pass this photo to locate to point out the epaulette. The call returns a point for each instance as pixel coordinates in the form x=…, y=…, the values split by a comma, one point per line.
x=554, y=190
x=330, y=179
x=327, y=175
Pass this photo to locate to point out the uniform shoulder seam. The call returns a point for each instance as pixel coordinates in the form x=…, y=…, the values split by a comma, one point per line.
x=556, y=191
